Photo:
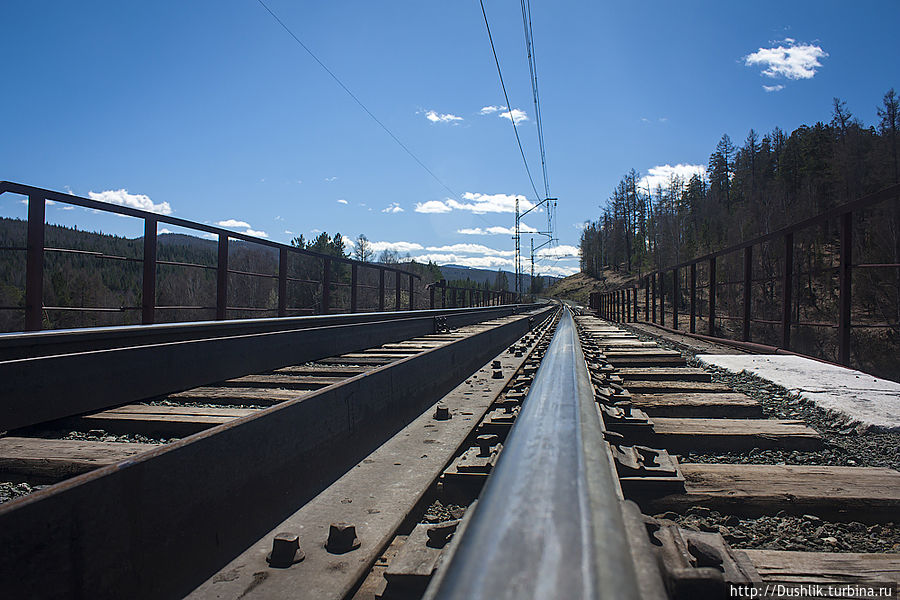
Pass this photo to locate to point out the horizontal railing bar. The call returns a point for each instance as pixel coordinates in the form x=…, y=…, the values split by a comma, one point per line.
x=181, y=264
x=93, y=254
x=91, y=308
x=27, y=190
x=252, y=274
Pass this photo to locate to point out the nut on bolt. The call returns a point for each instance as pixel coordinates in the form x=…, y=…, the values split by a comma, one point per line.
x=341, y=538
x=441, y=412
x=286, y=550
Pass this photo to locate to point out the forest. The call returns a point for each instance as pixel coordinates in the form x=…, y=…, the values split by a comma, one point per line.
x=103, y=273
x=765, y=183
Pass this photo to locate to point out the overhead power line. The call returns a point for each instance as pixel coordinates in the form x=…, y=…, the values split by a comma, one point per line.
x=355, y=99
x=512, y=117
x=532, y=67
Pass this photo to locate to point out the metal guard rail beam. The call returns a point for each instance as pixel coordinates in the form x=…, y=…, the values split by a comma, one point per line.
x=67, y=341
x=51, y=387
x=28, y=190
x=549, y=522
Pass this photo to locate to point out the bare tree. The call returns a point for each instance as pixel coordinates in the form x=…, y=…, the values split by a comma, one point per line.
x=363, y=250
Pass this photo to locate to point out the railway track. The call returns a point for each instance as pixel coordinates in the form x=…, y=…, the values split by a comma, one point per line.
x=467, y=456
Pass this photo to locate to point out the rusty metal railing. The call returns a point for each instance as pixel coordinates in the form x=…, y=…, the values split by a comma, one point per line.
x=624, y=305
x=35, y=250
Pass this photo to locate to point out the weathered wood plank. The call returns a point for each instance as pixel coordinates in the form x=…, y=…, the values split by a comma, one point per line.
x=662, y=374
x=825, y=567
x=284, y=381
x=844, y=493
x=698, y=404
x=692, y=434
x=637, y=385
x=159, y=421
x=55, y=460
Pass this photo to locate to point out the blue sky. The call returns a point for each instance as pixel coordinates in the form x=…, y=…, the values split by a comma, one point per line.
x=211, y=111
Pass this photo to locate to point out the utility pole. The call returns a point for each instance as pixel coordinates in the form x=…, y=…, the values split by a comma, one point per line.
x=531, y=282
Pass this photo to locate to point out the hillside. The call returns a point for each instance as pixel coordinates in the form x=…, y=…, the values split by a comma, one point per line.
x=579, y=286
x=480, y=276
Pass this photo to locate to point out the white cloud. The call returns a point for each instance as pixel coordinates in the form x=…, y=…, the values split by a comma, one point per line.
x=558, y=271
x=660, y=175
x=497, y=230
x=164, y=230
x=330, y=179
x=395, y=246
x=232, y=223
x=288, y=232
x=348, y=243
x=342, y=201
x=790, y=60
x=515, y=115
x=248, y=230
x=436, y=117
x=471, y=249
x=489, y=110
x=560, y=252
x=773, y=88
x=478, y=262
x=393, y=208
x=479, y=204
x=139, y=201
x=279, y=218
x=432, y=206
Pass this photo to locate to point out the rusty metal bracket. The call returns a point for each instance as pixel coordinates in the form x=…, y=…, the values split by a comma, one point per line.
x=697, y=564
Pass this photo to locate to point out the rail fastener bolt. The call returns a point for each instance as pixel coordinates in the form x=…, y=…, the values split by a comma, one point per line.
x=286, y=550
x=441, y=412
x=342, y=538
x=485, y=442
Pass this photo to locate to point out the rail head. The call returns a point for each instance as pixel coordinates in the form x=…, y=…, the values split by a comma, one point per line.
x=549, y=522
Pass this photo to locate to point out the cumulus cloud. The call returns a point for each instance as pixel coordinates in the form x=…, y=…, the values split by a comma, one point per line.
x=232, y=223
x=139, y=201
x=330, y=179
x=789, y=59
x=478, y=204
x=436, y=117
x=247, y=229
x=560, y=252
x=773, y=88
x=558, y=271
x=477, y=262
x=393, y=208
x=395, y=246
x=515, y=115
x=660, y=176
x=342, y=201
x=497, y=230
x=489, y=110
x=470, y=249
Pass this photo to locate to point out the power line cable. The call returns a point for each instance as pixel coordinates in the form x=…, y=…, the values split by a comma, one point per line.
x=532, y=67
x=357, y=100
x=512, y=117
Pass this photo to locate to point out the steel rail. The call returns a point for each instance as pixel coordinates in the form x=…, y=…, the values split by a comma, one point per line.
x=158, y=525
x=549, y=522
x=54, y=386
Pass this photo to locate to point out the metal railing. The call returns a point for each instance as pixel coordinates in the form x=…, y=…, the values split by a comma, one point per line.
x=460, y=297
x=680, y=280
x=35, y=250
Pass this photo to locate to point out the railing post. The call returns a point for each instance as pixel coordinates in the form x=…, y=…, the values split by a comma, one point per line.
x=431, y=296
x=676, y=295
x=693, y=297
x=787, y=290
x=628, y=305
x=412, y=292
x=282, y=281
x=443, y=295
x=326, y=285
x=34, y=265
x=844, y=299
x=653, y=296
x=148, y=293
x=748, y=289
x=222, y=278
x=712, y=296
x=354, y=281
x=646, y=298
x=381, y=290
x=396, y=290
x=634, y=308
x=662, y=298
